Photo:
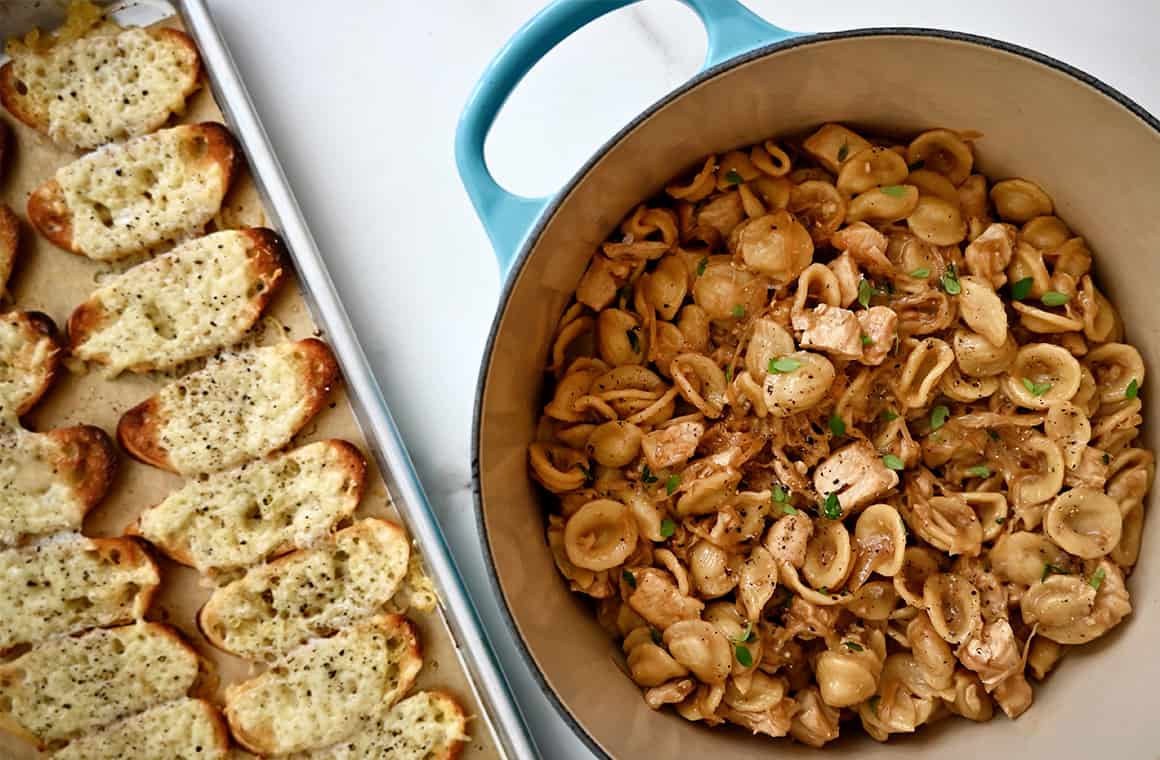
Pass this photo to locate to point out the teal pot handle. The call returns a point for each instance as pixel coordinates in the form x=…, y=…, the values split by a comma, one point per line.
x=508, y=218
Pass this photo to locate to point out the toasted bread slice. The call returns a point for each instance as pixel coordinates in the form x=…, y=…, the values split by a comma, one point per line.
x=428, y=725
x=9, y=244
x=185, y=729
x=239, y=517
x=66, y=686
x=307, y=594
x=238, y=408
x=69, y=583
x=132, y=197
x=198, y=298
x=49, y=481
x=327, y=690
x=29, y=359
x=110, y=84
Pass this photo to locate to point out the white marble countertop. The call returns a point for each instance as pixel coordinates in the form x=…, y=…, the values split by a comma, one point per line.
x=361, y=99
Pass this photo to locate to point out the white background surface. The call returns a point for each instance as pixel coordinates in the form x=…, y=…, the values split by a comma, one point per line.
x=361, y=98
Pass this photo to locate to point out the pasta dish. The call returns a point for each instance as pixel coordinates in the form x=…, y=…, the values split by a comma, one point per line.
x=841, y=432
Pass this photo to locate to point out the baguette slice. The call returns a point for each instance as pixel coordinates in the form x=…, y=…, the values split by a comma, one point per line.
x=29, y=359
x=50, y=481
x=68, y=583
x=308, y=594
x=428, y=725
x=67, y=686
x=327, y=690
x=131, y=197
x=198, y=298
x=9, y=243
x=110, y=84
x=238, y=408
x=239, y=517
x=185, y=729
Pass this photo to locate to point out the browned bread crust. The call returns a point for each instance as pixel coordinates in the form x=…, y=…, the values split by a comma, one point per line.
x=88, y=461
x=139, y=430
x=264, y=742
x=351, y=459
x=36, y=328
x=24, y=108
x=265, y=255
x=456, y=749
x=48, y=210
x=9, y=242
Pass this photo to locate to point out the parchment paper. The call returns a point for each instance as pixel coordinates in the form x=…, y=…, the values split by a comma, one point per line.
x=53, y=281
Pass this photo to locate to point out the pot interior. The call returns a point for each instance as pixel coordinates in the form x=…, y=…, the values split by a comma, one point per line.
x=1098, y=160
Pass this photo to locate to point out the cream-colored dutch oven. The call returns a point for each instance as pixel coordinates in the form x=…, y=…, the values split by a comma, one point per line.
x=1096, y=152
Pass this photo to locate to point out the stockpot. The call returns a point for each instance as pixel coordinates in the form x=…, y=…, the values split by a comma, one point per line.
x=1096, y=153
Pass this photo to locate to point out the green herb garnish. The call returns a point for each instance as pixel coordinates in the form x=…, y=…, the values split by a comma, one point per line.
x=1020, y=289
x=837, y=426
x=701, y=266
x=866, y=291
x=656, y=636
x=629, y=578
x=979, y=471
x=892, y=462
x=1133, y=390
x=784, y=364
x=894, y=191
x=1107, y=458
x=993, y=435
x=843, y=152
x=853, y=646
x=738, y=311
x=1034, y=388
x=746, y=635
x=938, y=416
x=950, y=281
x=672, y=484
x=1097, y=578
x=634, y=339
x=729, y=374
x=921, y=273
x=1054, y=298
x=743, y=655
x=779, y=494
x=646, y=475
x=889, y=415
x=831, y=509
x=1050, y=569
x=867, y=340
x=1000, y=520
x=733, y=178
x=668, y=528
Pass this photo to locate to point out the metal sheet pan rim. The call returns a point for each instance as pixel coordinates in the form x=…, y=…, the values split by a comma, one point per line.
x=475, y=652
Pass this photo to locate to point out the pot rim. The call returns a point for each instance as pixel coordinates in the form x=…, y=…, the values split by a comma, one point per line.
x=533, y=235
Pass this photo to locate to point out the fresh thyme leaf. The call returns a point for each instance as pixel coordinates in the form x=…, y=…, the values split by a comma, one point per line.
x=634, y=338
x=853, y=646
x=950, y=281
x=1097, y=578
x=738, y=311
x=646, y=476
x=733, y=178
x=837, y=425
x=1133, y=390
x=629, y=578
x=668, y=528
x=892, y=462
x=921, y=273
x=1055, y=298
x=832, y=509
x=938, y=416
x=1050, y=569
x=866, y=291
x=672, y=484
x=1034, y=388
x=743, y=655
x=979, y=471
x=843, y=152
x=889, y=415
x=779, y=494
x=701, y=266
x=894, y=191
x=1020, y=289
x=784, y=364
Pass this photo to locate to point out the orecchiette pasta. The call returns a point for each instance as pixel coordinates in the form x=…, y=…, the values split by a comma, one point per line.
x=837, y=426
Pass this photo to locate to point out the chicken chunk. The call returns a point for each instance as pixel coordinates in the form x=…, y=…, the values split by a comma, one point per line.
x=878, y=324
x=848, y=276
x=866, y=245
x=992, y=653
x=669, y=693
x=673, y=445
x=657, y=599
x=1091, y=472
x=832, y=329
x=856, y=474
x=989, y=254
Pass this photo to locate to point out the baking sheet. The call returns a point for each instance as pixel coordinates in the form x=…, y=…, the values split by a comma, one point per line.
x=53, y=281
